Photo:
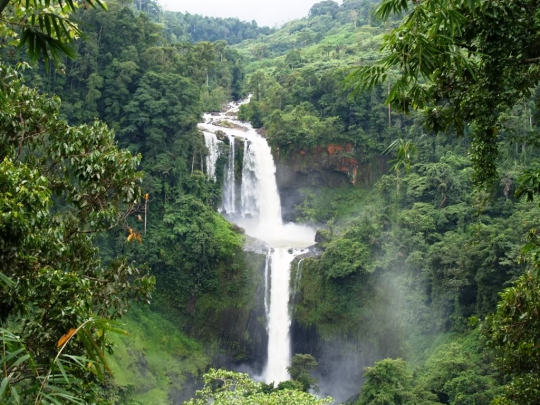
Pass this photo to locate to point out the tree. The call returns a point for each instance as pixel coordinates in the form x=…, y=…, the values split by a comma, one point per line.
x=390, y=383
x=302, y=365
x=226, y=387
x=514, y=332
x=257, y=84
x=462, y=63
x=327, y=7
x=455, y=377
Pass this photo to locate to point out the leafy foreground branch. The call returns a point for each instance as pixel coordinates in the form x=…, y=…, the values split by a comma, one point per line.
x=25, y=380
x=44, y=26
x=59, y=186
x=223, y=387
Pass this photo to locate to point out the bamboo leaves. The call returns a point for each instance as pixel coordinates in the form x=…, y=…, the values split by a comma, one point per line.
x=44, y=27
x=57, y=382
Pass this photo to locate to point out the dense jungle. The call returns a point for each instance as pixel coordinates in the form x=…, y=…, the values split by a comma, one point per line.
x=403, y=134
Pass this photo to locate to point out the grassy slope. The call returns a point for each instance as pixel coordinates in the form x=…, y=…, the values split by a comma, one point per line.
x=156, y=360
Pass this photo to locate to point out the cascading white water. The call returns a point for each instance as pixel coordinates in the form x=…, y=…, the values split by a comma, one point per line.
x=212, y=143
x=297, y=278
x=259, y=193
x=260, y=215
x=248, y=191
x=267, y=286
x=229, y=185
x=279, y=322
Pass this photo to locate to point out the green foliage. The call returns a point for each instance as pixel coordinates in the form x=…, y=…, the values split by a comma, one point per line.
x=435, y=253
x=327, y=7
x=389, y=382
x=202, y=241
x=319, y=33
x=156, y=363
x=323, y=204
x=529, y=183
x=144, y=80
x=66, y=377
x=302, y=365
x=196, y=28
x=400, y=265
x=289, y=385
x=344, y=256
x=44, y=27
x=251, y=112
x=462, y=63
x=226, y=387
x=56, y=382
x=296, y=78
x=457, y=373
x=60, y=185
x=513, y=332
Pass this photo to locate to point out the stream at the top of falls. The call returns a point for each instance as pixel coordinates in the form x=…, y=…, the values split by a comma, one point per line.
x=257, y=209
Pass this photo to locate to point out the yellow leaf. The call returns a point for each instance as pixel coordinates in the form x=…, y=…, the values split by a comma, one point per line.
x=139, y=217
x=66, y=337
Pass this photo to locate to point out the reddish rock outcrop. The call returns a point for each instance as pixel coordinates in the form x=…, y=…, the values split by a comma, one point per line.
x=331, y=165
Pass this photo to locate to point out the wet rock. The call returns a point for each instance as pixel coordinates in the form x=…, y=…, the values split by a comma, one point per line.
x=229, y=124
x=238, y=229
x=224, y=124
x=221, y=136
x=255, y=245
x=311, y=251
x=321, y=236
x=329, y=165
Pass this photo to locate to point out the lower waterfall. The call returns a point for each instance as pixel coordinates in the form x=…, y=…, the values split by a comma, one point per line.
x=258, y=211
x=279, y=320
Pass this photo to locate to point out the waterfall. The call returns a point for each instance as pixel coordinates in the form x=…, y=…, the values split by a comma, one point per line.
x=297, y=279
x=259, y=192
x=229, y=186
x=279, y=322
x=267, y=285
x=259, y=213
x=212, y=143
x=248, y=191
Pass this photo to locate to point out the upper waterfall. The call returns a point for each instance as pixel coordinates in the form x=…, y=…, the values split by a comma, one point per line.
x=212, y=143
x=254, y=204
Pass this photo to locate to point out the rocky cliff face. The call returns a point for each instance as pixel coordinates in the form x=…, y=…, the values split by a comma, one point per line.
x=327, y=166
x=238, y=330
x=330, y=165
